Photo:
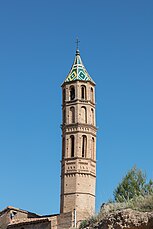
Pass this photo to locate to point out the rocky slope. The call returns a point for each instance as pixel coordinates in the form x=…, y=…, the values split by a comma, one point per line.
x=126, y=219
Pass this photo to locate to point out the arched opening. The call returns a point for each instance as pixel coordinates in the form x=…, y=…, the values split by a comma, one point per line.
x=83, y=92
x=83, y=114
x=92, y=116
x=92, y=95
x=72, y=145
x=63, y=147
x=84, y=145
x=72, y=93
x=72, y=115
x=64, y=96
x=92, y=148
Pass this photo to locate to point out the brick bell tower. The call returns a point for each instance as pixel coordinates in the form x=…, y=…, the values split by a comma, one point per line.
x=78, y=165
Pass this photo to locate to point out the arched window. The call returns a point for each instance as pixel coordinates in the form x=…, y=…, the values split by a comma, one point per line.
x=72, y=145
x=64, y=116
x=72, y=115
x=63, y=147
x=92, y=95
x=84, y=145
x=92, y=148
x=92, y=116
x=72, y=93
x=83, y=92
x=83, y=114
x=64, y=95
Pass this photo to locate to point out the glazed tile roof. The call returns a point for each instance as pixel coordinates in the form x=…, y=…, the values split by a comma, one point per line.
x=78, y=71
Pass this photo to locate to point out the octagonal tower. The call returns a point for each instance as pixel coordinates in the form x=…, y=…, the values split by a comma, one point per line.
x=78, y=165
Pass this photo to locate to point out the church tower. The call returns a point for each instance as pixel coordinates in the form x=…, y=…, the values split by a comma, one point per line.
x=78, y=165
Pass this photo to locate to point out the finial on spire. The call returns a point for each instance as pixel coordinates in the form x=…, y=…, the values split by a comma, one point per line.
x=77, y=47
x=77, y=44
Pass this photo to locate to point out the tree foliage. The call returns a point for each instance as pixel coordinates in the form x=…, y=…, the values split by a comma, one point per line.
x=133, y=184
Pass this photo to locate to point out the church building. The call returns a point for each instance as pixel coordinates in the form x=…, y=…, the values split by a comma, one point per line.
x=78, y=160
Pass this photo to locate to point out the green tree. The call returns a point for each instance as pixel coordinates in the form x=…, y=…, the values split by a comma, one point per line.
x=133, y=184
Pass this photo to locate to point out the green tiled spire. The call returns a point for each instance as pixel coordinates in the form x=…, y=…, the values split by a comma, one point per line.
x=78, y=71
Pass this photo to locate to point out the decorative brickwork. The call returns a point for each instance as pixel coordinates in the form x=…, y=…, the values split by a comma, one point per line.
x=78, y=165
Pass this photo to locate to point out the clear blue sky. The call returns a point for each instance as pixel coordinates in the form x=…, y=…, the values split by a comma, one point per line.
x=37, y=48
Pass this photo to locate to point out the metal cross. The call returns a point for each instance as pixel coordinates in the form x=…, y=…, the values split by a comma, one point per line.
x=77, y=43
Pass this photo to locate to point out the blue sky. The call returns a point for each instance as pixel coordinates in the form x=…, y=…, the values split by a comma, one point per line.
x=37, y=48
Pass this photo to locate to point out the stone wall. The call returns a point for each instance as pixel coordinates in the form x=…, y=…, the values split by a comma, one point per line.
x=4, y=220
x=62, y=221
x=10, y=213
x=65, y=221
x=31, y=225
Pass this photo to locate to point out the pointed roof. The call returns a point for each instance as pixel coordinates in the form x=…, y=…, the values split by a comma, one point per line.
x=78, y=71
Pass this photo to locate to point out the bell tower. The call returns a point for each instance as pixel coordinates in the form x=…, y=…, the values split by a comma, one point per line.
x=78, y=165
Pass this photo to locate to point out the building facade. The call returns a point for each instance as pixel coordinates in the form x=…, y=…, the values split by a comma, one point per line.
x=78, y=165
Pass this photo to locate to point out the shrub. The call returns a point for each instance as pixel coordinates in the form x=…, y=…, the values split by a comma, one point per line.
x=132, y=185
x=83, y=224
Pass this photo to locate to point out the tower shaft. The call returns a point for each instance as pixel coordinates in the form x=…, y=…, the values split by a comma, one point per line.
x=78, y=165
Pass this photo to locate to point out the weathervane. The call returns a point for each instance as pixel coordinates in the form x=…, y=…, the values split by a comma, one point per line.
x=77, y=43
